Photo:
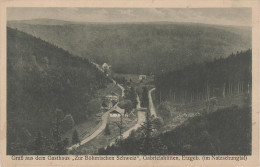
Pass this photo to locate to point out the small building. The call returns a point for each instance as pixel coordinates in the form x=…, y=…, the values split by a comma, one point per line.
x=105, y=66
x=142, y=77
x=106, y=69
x=117, y=112
x=114, y=113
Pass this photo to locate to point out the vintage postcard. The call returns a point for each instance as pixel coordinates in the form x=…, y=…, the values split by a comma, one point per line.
x=129, y=83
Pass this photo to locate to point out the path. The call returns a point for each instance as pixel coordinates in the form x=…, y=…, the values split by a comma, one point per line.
x=151, y=105
x=141, y=118
x=98, y=67
x=138, y=102
x=104, y=117
x=121, y=87
x=97, y=132
x=140, y=121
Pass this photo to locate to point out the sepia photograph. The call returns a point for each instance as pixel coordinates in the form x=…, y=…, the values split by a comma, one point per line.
x=93, y=83
x=153, y=81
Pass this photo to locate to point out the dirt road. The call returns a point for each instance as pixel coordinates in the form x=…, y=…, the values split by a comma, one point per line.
x=97, y=132
x=151, y=105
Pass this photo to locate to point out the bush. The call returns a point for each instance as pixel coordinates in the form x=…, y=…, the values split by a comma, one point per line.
x=67, y=123
x=107, y=130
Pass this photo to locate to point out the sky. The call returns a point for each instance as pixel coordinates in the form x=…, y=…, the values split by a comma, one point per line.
x=220, y=16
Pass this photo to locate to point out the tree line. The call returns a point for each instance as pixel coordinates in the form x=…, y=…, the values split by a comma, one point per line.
x=219, y=78
x=144, y=48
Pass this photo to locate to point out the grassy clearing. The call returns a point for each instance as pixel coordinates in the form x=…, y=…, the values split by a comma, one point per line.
x=181, y=112
x=86, y=128
x=103, y=140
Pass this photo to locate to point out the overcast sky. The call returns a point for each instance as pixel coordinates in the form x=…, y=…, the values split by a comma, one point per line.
x=222, y=16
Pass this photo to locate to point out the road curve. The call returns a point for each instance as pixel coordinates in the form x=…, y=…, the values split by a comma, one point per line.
x=104, y=116
x=121, y=87
x=97, y=132
x=140, y=121
x=151, y=105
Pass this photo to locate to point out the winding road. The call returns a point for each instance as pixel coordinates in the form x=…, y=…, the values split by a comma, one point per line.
x=104, y=117
x=97, y=132
x=121, y=87
x=140, y=121
x=138, y=102
x=141, y=116
x=151, y=105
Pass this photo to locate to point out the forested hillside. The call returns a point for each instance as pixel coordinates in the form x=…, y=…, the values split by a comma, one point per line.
x=219, y=78
x=224, y=132
x=142, y=47
x=46, y=88
x=214, y=132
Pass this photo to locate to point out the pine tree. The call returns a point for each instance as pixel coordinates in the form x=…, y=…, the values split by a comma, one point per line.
x=58, y=146
x=75, y=137
x=144, y=99
x=119, y=124
x=147, y=129
x=107, y=130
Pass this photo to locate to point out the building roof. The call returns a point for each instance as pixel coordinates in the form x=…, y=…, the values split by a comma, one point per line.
x=114, y=112
x=118, y=110
x=105, y=65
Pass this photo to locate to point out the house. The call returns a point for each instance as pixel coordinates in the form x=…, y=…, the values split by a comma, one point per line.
x=114, y=113
x=141, y=77
x=117, y=112
x=106, y=69
x=105, y=66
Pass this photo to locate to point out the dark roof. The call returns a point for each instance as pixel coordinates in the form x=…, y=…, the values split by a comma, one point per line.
x=115, y=112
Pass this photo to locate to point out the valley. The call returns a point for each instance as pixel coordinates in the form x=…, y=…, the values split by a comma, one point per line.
x=142, y=48
x=128, y=89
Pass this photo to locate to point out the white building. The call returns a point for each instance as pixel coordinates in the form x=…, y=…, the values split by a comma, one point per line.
x=114, y=114
x=105, y=66
x=117, y=112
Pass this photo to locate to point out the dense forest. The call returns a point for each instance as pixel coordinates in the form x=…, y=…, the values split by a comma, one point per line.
x=219, y=78
x=227, y=131
x=48, y=90
x=142, y=48
x=224, y=132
